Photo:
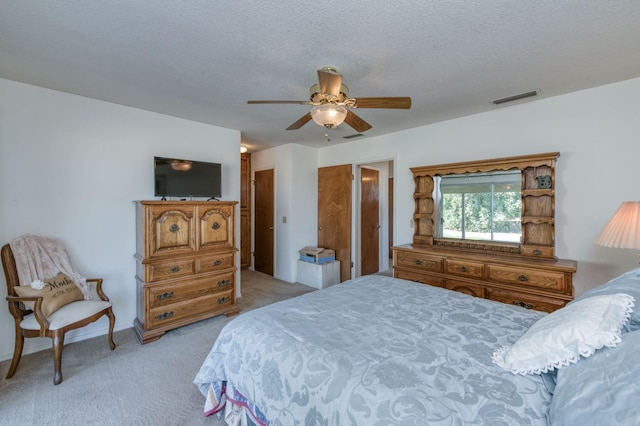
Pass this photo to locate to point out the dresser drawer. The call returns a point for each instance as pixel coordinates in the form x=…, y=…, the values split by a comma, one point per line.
x=166, y=294
x=215, y=262
x=170, y=269
x=416, y=260
x=528, y=301
x=175, y=312
x=464, y=287
x=537, y=251
x=546, y=280
x=464, y=268
x=418, y=277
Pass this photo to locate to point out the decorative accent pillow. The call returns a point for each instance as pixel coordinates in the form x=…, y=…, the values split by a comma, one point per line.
x=56, y=292
x=560, y=338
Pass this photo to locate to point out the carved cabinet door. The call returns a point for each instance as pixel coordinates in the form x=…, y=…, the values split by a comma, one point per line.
x=216, y=228
x=172, y=230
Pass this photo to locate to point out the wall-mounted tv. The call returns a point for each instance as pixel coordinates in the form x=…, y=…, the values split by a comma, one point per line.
x=187, y=178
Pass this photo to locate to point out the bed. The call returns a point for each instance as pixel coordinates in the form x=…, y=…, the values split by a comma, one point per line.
x=382, y=351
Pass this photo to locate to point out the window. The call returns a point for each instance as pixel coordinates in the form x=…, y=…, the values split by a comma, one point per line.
x=480, y=206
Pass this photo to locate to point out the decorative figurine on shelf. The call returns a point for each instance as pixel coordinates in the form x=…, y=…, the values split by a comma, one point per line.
x=544, y=182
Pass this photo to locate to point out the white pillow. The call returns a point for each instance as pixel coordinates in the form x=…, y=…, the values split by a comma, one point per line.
x=560, y=338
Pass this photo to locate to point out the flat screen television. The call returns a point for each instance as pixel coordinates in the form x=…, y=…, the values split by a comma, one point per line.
x=186, y=178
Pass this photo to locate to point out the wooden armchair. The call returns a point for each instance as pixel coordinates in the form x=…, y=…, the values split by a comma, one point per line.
x=33, y=323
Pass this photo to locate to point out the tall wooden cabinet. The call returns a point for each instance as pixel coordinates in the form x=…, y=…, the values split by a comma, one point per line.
x=245, y=210
x=185, y=264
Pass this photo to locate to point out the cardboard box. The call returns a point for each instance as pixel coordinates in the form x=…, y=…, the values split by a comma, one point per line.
x=317, y=255
x=318, y=275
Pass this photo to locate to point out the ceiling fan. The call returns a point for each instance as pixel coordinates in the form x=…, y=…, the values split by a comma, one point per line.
x=331, y=103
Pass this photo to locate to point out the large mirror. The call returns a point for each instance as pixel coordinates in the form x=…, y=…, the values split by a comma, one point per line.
x=500, y=205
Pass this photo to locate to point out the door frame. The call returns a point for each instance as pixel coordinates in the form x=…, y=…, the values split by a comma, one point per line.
x=383, y=213
x=253, y=216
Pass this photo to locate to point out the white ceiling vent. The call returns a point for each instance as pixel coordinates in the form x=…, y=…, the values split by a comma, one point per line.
x=355, y=135
x=516, y=97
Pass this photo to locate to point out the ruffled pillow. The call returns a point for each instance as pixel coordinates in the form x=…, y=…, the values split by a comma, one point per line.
x=562, y=337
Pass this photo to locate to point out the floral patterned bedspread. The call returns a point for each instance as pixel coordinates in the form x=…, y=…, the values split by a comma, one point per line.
x=375, y=351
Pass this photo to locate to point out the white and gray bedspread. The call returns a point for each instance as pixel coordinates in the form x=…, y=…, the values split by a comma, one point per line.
x=375, y=351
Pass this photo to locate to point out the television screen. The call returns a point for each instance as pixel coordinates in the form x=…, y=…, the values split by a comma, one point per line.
x=187, y=178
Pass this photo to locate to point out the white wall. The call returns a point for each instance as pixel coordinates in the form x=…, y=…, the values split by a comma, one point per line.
x=597, y=133
x=296, y=188
x=70, y=168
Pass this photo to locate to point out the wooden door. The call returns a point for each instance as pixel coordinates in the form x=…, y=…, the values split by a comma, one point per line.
x=334, y=214
x=263, y=257
x=369, y=221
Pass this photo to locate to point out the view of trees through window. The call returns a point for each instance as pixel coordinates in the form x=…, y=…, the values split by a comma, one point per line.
x=481, y=207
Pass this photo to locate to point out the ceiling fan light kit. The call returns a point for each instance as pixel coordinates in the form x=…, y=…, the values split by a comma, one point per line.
x=331, y=102
x=328, y=115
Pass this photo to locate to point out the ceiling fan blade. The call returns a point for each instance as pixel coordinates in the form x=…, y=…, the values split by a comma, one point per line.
x=279, y=102
x=301, y=122
x=358, y=124
x=330, y=81
x=399, y=103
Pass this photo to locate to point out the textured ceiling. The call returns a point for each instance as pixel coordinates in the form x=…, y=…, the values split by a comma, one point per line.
x=203, y=59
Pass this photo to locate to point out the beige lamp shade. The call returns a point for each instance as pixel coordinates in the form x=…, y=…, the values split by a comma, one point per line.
x=623, y=230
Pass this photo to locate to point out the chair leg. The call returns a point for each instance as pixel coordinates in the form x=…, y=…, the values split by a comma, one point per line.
x=112, y=323
x=58, y=343
x=17, y=353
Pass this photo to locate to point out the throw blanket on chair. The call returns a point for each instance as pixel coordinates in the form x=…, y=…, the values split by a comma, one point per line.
x=39, y=258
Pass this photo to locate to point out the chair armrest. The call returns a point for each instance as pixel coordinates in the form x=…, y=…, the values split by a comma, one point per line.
x=16, y=299
x=14, y=308
x=101, y=293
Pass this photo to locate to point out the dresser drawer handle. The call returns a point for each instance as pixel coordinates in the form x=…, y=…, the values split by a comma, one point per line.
x=537, y=252
x=215, y=225
x=175, y=269
x=463, y=268
x=522, y=277
x=165, y=295
x=174, y=228
x=418, y=262
x=164, y=316
x=217, y=262
x=223, y=300
x=223, y=283
x=523, y=304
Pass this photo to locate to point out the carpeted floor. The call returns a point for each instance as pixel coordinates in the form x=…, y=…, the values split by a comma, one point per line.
x=136, y=384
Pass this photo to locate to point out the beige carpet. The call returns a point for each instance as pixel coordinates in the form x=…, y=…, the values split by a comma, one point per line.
x=136, y=384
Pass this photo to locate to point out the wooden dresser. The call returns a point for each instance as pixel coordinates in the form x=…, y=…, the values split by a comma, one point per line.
x=541, y=284
x=185, y=264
